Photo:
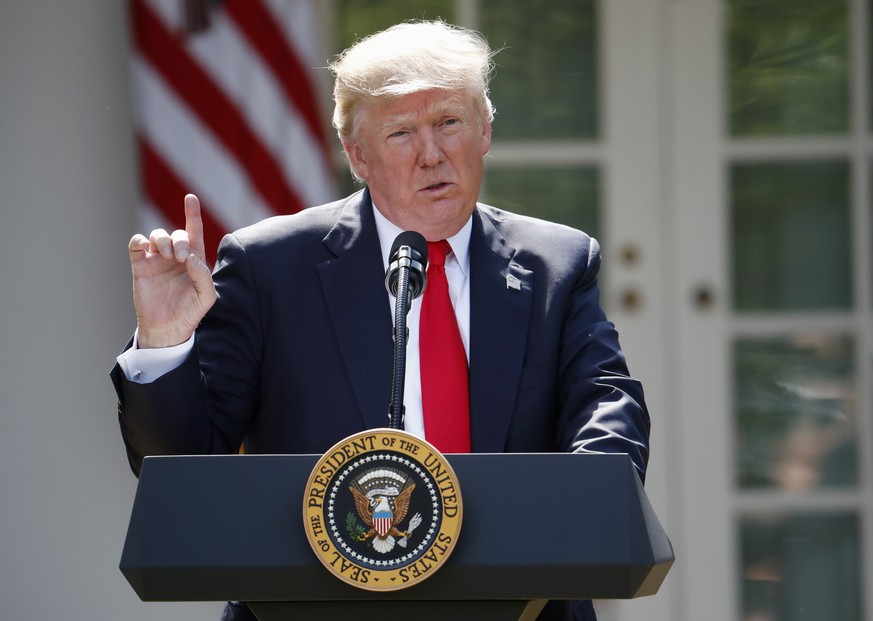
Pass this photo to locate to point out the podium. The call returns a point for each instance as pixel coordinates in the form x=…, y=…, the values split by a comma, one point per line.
x=535, y=527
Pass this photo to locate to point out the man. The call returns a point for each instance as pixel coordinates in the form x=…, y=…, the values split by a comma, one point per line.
x=287, y=347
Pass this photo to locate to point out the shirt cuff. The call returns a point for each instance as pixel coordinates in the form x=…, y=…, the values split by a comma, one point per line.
x=143, y=366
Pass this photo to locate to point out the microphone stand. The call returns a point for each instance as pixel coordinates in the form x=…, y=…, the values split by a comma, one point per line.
x=396, y=409
x=405, y=280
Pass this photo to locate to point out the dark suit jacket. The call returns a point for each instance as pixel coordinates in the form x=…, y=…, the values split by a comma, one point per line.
x=297, y=352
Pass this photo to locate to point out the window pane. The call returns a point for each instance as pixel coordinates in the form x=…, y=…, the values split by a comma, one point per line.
x=791, y=236
x=799, y=567
x=569, y=195
x=796, y=412
x=359, y=18
x=545, y=86
x=788, y=67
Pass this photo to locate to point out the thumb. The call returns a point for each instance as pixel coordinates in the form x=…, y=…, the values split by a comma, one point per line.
x=201, y=277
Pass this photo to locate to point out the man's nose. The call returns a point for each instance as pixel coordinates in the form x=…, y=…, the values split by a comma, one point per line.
x=430, y=153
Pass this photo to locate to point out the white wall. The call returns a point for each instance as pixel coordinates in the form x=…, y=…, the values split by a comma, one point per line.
x=67, y=209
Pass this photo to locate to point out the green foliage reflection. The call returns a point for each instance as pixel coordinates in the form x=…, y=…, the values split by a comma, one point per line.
x=568, y=195
x=360, y=18
x=791, y=236
x=546, y=82
x=788, y=67
x=796, y=414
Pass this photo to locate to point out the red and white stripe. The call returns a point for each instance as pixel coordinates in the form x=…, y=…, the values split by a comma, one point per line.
x=382, y=525
x=229, y=113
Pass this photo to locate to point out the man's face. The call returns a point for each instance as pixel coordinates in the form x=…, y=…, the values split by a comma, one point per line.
x=421, y=156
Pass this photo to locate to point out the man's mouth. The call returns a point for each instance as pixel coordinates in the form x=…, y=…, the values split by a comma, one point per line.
x=435, y=186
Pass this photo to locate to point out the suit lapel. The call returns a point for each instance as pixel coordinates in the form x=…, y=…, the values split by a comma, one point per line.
x=500, y=302
x=359, y=309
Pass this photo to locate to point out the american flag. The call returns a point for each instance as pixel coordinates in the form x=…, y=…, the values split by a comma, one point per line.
x=225, y=106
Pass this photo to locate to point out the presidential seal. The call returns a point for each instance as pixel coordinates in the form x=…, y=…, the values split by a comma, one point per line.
x=382, y=510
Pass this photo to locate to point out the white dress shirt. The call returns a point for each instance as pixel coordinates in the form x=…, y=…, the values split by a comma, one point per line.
x=458, y=277
x=144, y=366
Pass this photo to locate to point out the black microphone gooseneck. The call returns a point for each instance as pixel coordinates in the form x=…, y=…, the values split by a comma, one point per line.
x=405, y=280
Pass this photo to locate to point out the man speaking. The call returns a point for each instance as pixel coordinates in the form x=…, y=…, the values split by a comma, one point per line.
x=286, y=347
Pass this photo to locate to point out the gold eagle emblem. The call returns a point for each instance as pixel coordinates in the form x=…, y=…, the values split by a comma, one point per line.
x=383, y=508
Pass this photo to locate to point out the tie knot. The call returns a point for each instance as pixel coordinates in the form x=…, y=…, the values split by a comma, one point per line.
x=437, y=252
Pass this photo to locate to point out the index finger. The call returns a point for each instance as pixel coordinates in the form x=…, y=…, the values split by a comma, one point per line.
x=194, y=226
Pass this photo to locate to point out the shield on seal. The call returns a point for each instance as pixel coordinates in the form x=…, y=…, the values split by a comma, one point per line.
x=383, y=517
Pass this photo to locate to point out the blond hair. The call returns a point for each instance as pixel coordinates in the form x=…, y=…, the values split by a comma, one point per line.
x=407, y=58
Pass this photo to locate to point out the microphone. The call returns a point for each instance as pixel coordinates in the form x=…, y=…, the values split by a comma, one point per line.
x=409, y=254
x=404, y=279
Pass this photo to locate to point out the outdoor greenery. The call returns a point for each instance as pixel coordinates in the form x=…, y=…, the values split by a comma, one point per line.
x=801, y=566
x=796, y=412
x=791, y=236
x=546, y=82
x=570, y=195
x=358, y=18
x=788, y=67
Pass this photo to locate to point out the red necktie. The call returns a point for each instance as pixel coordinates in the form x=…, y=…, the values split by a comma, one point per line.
x=445, y=393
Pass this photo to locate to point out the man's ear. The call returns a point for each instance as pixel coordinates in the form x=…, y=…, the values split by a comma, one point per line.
x=356, y=158
x=486, y=137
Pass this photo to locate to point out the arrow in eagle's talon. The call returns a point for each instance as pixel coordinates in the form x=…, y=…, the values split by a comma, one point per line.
x=413, y=524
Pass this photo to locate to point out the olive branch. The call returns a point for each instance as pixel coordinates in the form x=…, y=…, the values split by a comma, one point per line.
x=354, y=528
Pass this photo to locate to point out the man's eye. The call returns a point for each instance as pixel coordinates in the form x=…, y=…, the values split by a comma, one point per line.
x=397, y=134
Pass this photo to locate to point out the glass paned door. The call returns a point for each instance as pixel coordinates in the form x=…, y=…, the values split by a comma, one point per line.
x=565, y=194
x=773, y=176
x=800, y=566
x=796, y=424
x=547, y=96
x=355, y=19
x=791, y=243
x=788, y=67
x=547, y=81
x=794, y=391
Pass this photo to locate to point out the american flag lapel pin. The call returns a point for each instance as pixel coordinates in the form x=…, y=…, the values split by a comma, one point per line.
x=512, y=282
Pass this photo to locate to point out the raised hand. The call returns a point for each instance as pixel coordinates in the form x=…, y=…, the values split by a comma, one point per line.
x=172, y=285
